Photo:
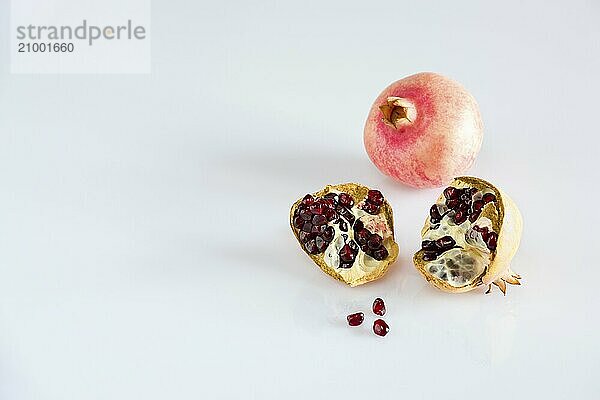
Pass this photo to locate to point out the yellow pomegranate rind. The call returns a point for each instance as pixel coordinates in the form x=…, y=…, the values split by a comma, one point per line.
x=353, y=276
x=506, y=222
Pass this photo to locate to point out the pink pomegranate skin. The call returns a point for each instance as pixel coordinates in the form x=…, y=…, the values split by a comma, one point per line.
x=438, y=138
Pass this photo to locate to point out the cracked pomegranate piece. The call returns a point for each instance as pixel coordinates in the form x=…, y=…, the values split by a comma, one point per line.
x=473, y=240
x=347, y=230
x=423, y=130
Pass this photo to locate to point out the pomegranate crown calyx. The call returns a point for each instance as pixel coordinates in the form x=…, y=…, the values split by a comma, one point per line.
x=398, y=111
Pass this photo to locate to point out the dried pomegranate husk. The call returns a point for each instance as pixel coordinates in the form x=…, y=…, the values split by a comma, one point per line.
x=377, y=219
x=499, y=217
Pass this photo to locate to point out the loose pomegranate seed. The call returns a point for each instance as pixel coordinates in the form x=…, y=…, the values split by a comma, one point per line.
x=488, y=197
x=375, y=197
x=379, y=306
x=346, y=200
x=380, y=327
x=355, y=319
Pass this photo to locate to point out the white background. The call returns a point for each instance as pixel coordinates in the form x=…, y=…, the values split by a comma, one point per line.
x=145, y=251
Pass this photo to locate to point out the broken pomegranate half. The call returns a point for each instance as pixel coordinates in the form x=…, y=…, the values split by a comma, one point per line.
x=470, y=237
x=347, y=230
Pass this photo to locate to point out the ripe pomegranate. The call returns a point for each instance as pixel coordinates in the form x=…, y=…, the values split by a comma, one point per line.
x=347, y=230
x=470, y=237
x=424, y=130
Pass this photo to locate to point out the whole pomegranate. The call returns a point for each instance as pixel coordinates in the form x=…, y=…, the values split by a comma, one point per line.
x=424, y=130
x=347, y=230
x=470, y=237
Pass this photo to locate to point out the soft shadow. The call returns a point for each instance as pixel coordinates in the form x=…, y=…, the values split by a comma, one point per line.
x=302, y=171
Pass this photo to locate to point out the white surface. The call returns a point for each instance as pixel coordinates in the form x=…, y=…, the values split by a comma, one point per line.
x=119, y=276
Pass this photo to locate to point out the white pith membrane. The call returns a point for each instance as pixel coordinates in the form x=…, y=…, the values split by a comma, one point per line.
x=468, y=260
x=363, y=264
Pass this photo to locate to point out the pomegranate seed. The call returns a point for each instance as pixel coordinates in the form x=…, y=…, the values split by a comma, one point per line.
x=331, y=215
x=355, y=319
x=305, y=215
x=434, y=212
x=492, y=241
x=445, y=242
x=331, y=196
x=343, y=226
x=370, y=208
x=329, y=234
x=307, y=200
x=319, y=219
x=429, y=255
x=428, y=245
x=379, y=306
x=460, y=217
x=488, y=197
x=451, y=193
x=346, y=253
x=380, y=327
x=311, y=246
x=298, y=222
x=317, y=208
x=380, y=254
x=452, y=204
x=346, y=200
x=480, y=229
x=321, y=244
x=307, y=227
x=477, y=205
x=473, y=217
x=375, y=197
x=362, y=236
x=374, y=241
